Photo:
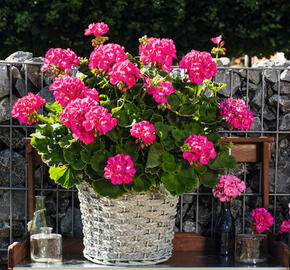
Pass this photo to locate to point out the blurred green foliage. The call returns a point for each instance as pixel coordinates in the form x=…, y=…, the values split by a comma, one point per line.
x=254, y=27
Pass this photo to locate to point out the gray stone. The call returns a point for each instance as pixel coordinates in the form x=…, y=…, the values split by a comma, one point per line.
x=257, y=99
x=223, y=62
x=283, y=177
x=271, y=75
x=20, y=87
x=225, y=77
x=18, y=209
x=66, y=223
x=187, y=198
x=4, y=81
x=251, y=87
x=15, y=73
x=284, y=88
x=17, y=229
x=5, y=113
x=238, y=170
x=268, y=114
x=47, y=94
x=189, y=226
x=285, y=75
x=17, y=137
x=34, y=72
x=19, y=56
x=254, y=75
x=256, y=125
x=265, y=63
x=285, y=122
x=284, y=102
x=18, y=169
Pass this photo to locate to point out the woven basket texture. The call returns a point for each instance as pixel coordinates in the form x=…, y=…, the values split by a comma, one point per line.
x=136, y=229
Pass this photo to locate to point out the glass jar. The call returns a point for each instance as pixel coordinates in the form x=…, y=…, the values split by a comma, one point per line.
x=251, y=248
x=39, y=218
x=225, y=231
x=46, y=247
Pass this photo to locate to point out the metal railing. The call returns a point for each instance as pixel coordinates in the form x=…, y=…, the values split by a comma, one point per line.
x=54, y=190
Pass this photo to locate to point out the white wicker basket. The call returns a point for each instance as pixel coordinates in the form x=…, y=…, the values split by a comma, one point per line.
x=136, y=229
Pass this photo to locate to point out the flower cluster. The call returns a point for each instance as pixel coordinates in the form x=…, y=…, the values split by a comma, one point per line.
x=60, y=60
x=145, y=131
x=123, y=75
x=68, y=88
x=105, y=56
x=160, y=92
x=120, y=169
x=198, y=149
x=217, y=40
x=198, y=65
x=261, y=219
x=24, y=109
x=97, y=29
x=157, y=52
x=228, y=187
x=87, y=119
x=285, y=226
x=218, y=50
x=236, y=113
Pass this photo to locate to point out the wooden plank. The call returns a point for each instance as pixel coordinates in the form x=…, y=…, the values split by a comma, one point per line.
x=247, y=139
x=245, y=152
x=17, y=253
x=279, y=251
x=265, y=173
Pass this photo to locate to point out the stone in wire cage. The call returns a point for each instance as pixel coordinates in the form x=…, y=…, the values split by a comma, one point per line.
x=136, y=229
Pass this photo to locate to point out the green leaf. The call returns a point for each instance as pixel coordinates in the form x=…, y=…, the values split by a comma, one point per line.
x=39, y=142
x=64, y=176
x=223, y=161
x=168, y=163
x=105, y=188
x=179, y=136
x=99, y=160
x=174, y=102
x=154, y=158
x=66, y=141
x=141, y=183
x=187, y=109
x=54, y=107
x=209, y=179
x=53, y=158
x=92, y=174
x=72, y=156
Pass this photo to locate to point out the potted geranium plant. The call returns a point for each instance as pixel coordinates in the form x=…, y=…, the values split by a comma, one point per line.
x=132, y=134
x=253, y=248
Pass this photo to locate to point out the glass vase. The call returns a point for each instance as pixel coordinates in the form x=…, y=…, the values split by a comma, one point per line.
x=225, y=231
x=46, y=247
x=251, y=248
x=39, y=218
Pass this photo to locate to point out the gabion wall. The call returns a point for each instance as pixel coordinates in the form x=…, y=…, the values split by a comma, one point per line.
x=266, y=89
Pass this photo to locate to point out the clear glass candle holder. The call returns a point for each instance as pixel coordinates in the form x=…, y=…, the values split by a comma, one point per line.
x=46, y=247
x=251, y=248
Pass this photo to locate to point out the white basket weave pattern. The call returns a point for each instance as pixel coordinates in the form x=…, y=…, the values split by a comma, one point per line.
x=136, y=229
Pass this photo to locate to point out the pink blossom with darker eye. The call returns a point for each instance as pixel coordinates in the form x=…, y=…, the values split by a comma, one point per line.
x=104, y=57
x=285, y=226
x=87, y=119
x=198, y=150
x=160, y=52
x=97, y=29
x=261, y=219
x=60, y=58
x=120, y=169
x=160, y=93
x=25, y=108
x=124, y=74
x=68, y=88
x=144, y=131
x=217, y=39
x=228, y=187
x=198, y=65
x=236, y=113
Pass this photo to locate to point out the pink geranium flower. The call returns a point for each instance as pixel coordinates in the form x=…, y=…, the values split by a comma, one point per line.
x=120, y=169
x=68, y=88
x=105, y=56
x=25, y=109
x=236, y=113
x=60, y=59
x=261, y=219
x=217, y=39
x=198, y=150
x=97, y=29
x=285, y=226
x=87, y=119
x=144, y=131
x=158, y=52
x=124, y=74
x=198, y=65
x=228, y=188
x=160, y=92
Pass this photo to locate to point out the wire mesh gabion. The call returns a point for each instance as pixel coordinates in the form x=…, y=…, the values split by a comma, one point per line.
x=136, y=229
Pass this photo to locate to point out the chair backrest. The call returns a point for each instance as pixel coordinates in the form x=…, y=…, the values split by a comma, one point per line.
x=250, y=149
